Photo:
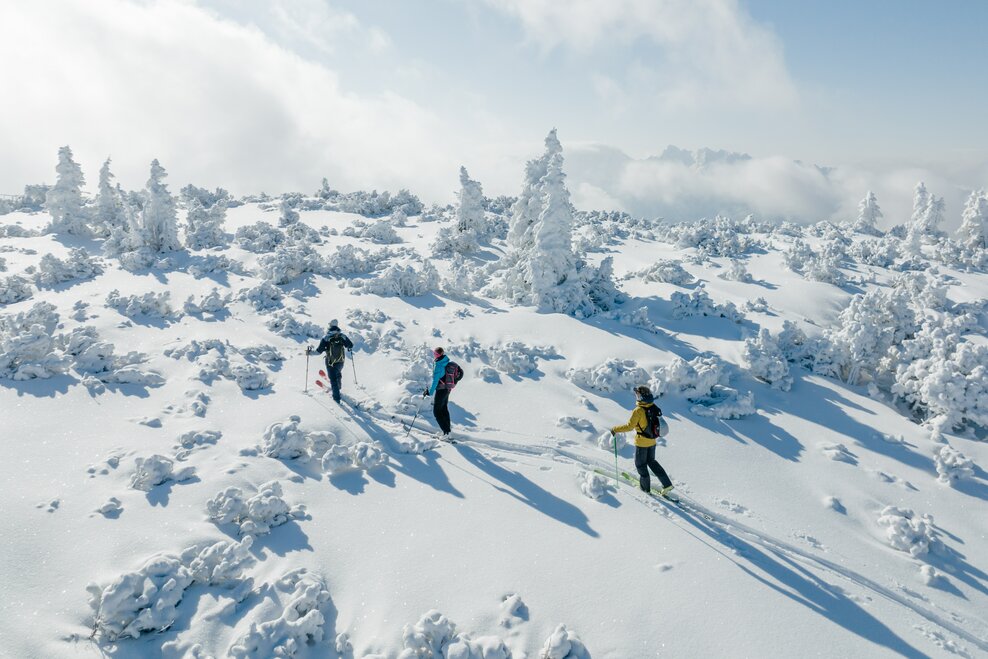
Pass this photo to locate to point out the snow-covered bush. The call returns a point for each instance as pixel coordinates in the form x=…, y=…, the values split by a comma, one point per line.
x=908, y=532
x=883, y=252
x=511, y=358
x=612, y=375
x=564, y=644
x=798, y=256
x=64, y=200
x=693, y=379
x=79, y=266
x=435, y=636
x=147, y=600
x=204, y=226
x=27, y=346
x=14, y=289
x=284, y=323
x=289, y=261
x=724, y=403
x=154, y=305
x=263, y=297
x=211, y=303
x=255, y=515
x=249, y=377
x=296, y=598
x=288, y=214
x=401, y=281
x=192, y=194
x=285, y=440
x=592, y=484
x=737, y=272
x=259, y=237
x=200, y=266
x=720, y=237
x=367, y=456
x=766, y=361
x=699, y=303
x=156, y=469
x=949, y=384
x=952, y=465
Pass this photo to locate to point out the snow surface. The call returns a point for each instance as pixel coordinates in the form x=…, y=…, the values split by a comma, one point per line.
x=172, y=460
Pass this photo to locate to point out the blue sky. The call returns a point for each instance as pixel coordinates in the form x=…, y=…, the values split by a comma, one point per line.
x=275, y=94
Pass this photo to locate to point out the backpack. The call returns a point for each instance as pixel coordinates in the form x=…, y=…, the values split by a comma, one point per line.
x=453, y=375
x=336, y=352
x=655, y=425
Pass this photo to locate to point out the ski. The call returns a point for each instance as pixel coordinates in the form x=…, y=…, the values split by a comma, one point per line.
x=654, y=492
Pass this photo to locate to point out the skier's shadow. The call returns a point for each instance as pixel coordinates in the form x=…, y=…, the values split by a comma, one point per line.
x=787, y=577
x=528, y=492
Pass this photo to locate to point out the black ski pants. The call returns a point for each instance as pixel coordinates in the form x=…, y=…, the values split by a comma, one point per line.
x=440, y=409
x=335, y=372
x=645, y=460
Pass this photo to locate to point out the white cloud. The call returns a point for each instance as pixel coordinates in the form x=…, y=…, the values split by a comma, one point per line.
x=713, y=51
x=218, y=103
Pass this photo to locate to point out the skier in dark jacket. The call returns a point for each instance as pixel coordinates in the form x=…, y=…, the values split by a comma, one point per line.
x=646, y=421
x=443, y=381
x=335, y=344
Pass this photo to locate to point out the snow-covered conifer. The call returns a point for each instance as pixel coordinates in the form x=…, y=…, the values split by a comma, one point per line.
x=109, y=204
x=470, y=211
x=921, y=201
x=868, y=214
x=158, y=219
x=973, y=233
x=526, y=210
x=64, y=199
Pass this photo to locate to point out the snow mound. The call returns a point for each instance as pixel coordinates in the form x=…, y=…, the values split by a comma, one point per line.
x=155, y=470
x=513, y=611
x=612, y=375
x=564, y=644
x=592, y=484
x=147, y=600
x=434, y=636
x=298, y=594
x=255, y=515
x=907, y=532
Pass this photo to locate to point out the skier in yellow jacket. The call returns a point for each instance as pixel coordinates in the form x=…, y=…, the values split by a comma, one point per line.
x=646, y=421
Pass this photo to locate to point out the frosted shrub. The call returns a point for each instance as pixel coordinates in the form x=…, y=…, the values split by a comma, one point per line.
x=155, y=305
x=724, y=403
x=212, y=304
x=14, y=289
x=612, y=375
x=510, y=358
x=720, y=237
x=284, y=323
x=263, y=297
x=249, y=377
x=154, y=470
x=699, y=303
x=376, y=204
x=564, y=644
x=737, y=272
x=78, y=266
x=288, y=216
x=204, y=226
x=798, y=256
x=462, y=279
x=288, y=261
x=147, y=600
x=866, y=331
x=592, y=484
x=27, y=349
x=350, y=260
x=259, y=237
x=401, y=281
x=298, y=596
x=365, y=455
x=882, y=253
x=255, y=515
x=200, y=266
x=765, y=360
x=952, y=465
x=907, y=532
x=285, y=440
x=692, y=379
x=949, y=384
x=381, y=231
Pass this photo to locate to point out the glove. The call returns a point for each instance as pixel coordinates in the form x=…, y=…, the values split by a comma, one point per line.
x=308, y=350
x=426, y=392
x=613, y=433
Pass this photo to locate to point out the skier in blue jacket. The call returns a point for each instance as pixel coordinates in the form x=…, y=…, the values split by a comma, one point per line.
x=445, y=375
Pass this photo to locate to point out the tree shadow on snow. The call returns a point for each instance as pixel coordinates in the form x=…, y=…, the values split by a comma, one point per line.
x=524, y=490
x=40, y=387
x=781, y=573
x=757, y=429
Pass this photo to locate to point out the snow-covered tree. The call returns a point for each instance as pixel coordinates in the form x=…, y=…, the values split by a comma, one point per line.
x=470, y=211
x=921, y=201
x=204, y=226
x=156, y=226
x=973, y=233
x=288, y=215
x=541, y=267
x=64, y=199
x=526, y=210
x=109, y=204
x=868, y=215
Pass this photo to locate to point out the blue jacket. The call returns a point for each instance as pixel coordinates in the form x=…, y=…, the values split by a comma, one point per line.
x=438, y=371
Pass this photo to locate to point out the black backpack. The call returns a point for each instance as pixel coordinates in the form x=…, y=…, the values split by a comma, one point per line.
x=653, y=421
x=336, y=352
x=453, y=375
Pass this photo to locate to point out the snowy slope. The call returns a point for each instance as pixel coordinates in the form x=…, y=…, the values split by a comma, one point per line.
x=785, y=544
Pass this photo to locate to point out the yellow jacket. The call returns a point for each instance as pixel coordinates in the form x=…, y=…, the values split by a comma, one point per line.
x=638, y=422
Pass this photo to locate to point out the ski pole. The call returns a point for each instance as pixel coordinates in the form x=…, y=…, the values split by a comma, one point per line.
x=307, y=353
x=614, y=441
x=353, y=364
x=409, y=431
